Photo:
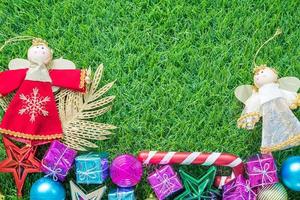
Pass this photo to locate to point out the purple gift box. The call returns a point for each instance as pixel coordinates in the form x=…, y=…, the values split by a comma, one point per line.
x=261, y=170
x=58, y=161
x=165, y=182
x=238, y=189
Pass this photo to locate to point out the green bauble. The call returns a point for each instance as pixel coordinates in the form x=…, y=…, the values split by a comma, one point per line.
x=151, y=197
x=272, y=192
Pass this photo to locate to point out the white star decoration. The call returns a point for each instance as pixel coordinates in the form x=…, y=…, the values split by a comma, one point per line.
x=34, y=104
x=78, y=194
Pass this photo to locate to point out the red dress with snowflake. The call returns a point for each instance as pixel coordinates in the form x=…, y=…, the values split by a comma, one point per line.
x=32, y=115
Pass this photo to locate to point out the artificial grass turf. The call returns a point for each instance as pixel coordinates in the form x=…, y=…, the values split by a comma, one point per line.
x=176, y=64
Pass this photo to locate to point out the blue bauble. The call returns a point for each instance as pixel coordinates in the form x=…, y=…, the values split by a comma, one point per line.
x=47, y=189
x=290, y=173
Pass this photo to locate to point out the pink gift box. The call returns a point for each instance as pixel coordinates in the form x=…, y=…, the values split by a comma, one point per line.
x=58, y=160
x=261, y=170
x=238, y=189
x=165, y=182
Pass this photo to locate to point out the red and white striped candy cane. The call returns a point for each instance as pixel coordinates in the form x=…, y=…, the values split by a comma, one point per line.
x=196, y=158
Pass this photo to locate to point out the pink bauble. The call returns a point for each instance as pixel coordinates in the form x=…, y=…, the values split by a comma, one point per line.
x=126, y=171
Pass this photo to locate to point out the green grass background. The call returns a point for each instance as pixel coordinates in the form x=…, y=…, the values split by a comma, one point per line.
x=176, y=64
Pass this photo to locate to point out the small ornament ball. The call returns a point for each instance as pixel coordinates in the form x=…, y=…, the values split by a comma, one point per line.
x=126, y=171
x=46, y=188
x=290, y=173
x=272, y=192
x=151, y=197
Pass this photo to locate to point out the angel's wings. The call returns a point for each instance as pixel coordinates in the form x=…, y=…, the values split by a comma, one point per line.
x=60, y=63
x=76, y=109
x=291, y=84
x=243, y=92
x=18, y=63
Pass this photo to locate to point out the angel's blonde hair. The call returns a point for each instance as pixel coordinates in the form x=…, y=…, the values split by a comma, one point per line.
x=254, y=88
x=39, y=41
x=257, y=69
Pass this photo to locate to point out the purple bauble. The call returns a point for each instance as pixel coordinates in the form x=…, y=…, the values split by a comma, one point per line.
x=126, y=171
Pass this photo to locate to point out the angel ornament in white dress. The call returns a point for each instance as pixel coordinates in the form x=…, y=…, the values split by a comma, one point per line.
x=272, y=99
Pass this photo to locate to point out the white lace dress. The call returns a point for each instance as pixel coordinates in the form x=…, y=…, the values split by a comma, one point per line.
x=281, y=128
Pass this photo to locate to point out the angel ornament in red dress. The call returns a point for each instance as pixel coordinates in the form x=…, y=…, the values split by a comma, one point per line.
x=32, y=115
x=272, y=99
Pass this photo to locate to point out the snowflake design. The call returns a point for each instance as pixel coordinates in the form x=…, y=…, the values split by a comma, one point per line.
x=34, y=104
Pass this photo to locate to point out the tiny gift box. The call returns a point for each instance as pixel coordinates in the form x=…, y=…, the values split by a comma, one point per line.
x=214, y=194
x=238, y=189
x=121, y=194
x=261, y=170
x=58, y=160
x=165, y=182
x=92, y=168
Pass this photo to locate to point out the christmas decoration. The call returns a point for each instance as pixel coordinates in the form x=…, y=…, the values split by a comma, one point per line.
x=33, y=106
x=121, y=194
x=151, y=197
x=46, y=188
x=197, y=188
x=38, y=106
x=78, y=194
x=58, y=161
x=43, y=116
x=165, y=182
x=237, y=189
x=214, y=194
x=19, y=162
x=261, y=170
x=273, y=99
x=290, y=173
x=76, y=109
x=272, y=192
x=35, y=109
x=187, y=158
x=92, y=168
x=126, y=171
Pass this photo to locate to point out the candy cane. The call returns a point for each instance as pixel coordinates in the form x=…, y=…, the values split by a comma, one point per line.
x=196, y=158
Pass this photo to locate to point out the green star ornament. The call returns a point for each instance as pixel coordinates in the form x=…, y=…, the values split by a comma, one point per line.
x=197, y=189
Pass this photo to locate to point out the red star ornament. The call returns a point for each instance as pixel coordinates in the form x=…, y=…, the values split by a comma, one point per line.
x=19, y=162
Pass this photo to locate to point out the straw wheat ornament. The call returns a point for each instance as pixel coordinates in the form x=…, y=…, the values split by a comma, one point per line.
x=76, y=109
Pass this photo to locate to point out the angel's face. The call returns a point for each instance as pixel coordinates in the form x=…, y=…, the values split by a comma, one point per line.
x=265, y=76
x=40, y=54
